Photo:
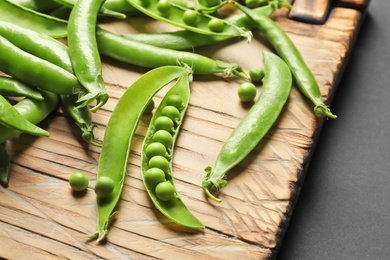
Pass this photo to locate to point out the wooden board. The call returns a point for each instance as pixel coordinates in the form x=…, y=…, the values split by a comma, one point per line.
x=40, y=218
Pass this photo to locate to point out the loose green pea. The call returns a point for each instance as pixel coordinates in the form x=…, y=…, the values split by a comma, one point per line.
x=78, y=181
x=165, y=191
x=163, y=137
x=190, y=17
x=216, y=25
x=174, y=100
x=154, y=176
x=163, y=6
x=164, y=123
x=159, y=162
x=256, y=74
x=155, y=149
x=104, y=186
x=247, y=92
x=171, y=112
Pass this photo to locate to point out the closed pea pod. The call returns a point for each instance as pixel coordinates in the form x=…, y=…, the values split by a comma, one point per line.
x=255, y=125
x=118, y=136
x=37, y=5
x=149, y=56
x=172, y=13
x=25, y=17
x=304, y=78
x=11, y=118
x=84, y=53
x=15, y=88
x=162, y=191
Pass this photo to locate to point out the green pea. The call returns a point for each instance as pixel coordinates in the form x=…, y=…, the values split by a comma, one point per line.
x=171, y=112
x=247, y=92
x=78, y=181
x=216, y=25
x=190, y=17
x=154, y=176
x=155, y=149
x=174, y=100
x=163, y=123
x=163, y=6
x=104, y=186
x=163, y=137
x=256, y=74
x=149, y=108
x=165, y=191
x=159, y=162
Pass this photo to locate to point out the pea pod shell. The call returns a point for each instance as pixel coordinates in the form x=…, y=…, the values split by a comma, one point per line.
x=119, y=133
x=37, y=5
x=15, y=88
x=255, y=125
x=25, y=17
x=5, y=165
x=174, y=209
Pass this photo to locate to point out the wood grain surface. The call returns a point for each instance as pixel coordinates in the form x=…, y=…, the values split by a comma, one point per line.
x=40, y=217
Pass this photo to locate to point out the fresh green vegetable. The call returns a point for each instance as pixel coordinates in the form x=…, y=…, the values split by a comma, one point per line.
x=28, y=18
x=78, y=181
x=119, y=133
x=15, y=88
x=256, y=74
x=254, y=126
x=247, y=92
x=5, y=165
x=84, y=53
x=303, y=76
x=104, y=187
x=37, y=5
x=149, y=56
x=162, y=190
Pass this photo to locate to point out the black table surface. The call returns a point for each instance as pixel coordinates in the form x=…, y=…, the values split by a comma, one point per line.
x=343, y=211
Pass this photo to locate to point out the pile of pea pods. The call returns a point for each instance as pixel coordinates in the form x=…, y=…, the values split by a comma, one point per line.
x=49, y=73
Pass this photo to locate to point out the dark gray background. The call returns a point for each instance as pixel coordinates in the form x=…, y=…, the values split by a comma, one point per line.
x=343, y=211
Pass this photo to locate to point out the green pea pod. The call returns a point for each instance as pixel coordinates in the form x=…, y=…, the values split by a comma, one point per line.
x=174, y=208
x=38, y=72
x=5, y=165
x=11, y=118
x=15, y=88
x=255, y=125
x=103, y=10
x=37, y=44
x=84, y=53
x=283, y=45
x=149, y=56
x=174, y=15
x=37, y=5
x=119, y=133
x=32, y=110
x=25, y=17
x=187, y=40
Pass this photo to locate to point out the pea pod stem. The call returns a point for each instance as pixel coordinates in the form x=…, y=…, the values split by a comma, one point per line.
x=119, y=133
x=174, y=209
x=84, y=53
x=255, y=125
x=149, y=56
x=34, y=20
x=283, y=45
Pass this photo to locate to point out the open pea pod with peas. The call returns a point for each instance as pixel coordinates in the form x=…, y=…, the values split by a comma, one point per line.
x=188, y=18
x=157, y=155
x=113, y=160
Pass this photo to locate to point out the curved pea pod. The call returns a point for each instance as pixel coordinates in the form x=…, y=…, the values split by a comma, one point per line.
x=255, y=125
x=186, y=40
x=38, y=72
x=174, y=208
x=11, y=118
x=283, y=45
x=84, y=53
x=119, y=133
x=25, y=17
x=5, y=165
x=15, y=88
x=174, y=14
x=37, y=5
x=149, y=56
x=32, y=110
